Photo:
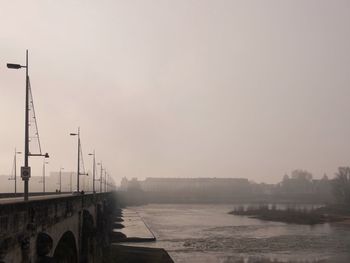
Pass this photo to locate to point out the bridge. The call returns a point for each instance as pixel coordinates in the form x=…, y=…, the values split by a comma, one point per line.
x=55, y=228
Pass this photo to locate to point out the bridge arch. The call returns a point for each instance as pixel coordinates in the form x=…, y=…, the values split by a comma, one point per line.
x=66, y=249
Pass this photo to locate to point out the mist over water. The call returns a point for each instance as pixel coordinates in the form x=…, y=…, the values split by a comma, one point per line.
x=207, y=233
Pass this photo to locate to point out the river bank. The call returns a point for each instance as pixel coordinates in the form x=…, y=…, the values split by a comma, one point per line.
x=324, y=214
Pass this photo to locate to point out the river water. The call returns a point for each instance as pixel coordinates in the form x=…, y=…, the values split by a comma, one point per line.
x=207, y=233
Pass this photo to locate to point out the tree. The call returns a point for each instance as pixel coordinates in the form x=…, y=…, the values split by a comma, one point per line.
x=301, y=175
x=300, y=181
x=341, y=185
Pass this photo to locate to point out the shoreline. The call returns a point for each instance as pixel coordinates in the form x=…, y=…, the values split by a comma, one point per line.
x=129, y=227
x=326, y=214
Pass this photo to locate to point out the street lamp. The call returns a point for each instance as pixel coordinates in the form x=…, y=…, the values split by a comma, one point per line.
x=61, y=168
x=100, y=163
x=44, y=173
x=105, y=180
x=78, y=172
x=25, y=170
x=108, y=183
x=93, y=171
x=15, y=170
x=70, y=181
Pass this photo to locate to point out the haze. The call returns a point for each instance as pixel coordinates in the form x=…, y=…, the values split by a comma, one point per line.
x=180, y=88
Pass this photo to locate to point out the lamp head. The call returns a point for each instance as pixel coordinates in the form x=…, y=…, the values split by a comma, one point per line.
x=14, y=66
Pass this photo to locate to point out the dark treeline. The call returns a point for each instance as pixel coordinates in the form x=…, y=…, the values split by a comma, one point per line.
x=298, y=187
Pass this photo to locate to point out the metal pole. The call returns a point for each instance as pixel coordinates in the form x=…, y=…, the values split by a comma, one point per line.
x=101, y=178
x=70, y=182
x=15, y=172
x=93, y=174
x=44, y=176
x=105, y=181
x=26, y=131
x=60, y=179
x=78, y=173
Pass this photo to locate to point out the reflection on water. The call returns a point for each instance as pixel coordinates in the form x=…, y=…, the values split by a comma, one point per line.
x=207, y=233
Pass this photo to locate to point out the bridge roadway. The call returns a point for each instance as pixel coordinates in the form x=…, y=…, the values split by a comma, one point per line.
x=59, y=227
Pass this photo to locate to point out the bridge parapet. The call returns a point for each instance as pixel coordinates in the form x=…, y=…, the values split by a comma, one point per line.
x=21, y=222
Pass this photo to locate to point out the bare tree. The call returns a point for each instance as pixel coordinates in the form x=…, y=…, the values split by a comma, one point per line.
x=301, y=175
x=341, y=185
x=300, y=181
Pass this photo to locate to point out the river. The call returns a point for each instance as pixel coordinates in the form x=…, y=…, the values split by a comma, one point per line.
x=207, y=233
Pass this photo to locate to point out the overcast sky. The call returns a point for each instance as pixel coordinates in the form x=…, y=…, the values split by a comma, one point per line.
x=180, y=88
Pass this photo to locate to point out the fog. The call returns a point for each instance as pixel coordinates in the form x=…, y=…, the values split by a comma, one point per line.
x=189, y=88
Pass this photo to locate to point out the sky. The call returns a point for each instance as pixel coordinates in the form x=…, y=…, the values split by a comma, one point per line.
x=180, y=88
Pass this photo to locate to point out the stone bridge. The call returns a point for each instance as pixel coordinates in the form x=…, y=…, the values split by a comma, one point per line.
x=57, y=228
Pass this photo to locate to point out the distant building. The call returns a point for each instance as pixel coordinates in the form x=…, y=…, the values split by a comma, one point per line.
x=124, y=184
x=188, y=189
x=152, y=184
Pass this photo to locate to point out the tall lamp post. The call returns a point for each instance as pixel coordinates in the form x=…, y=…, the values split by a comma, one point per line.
x=108, y=183
x=61, y=168
x=105, y=180
x=78, y=172
x=25, y=170
x=70, y=182
x=15, y=170
x=44, y=174
x=100, y=163
x=93, y=171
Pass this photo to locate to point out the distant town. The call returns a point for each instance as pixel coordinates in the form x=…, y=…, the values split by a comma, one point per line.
x=299, y=186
